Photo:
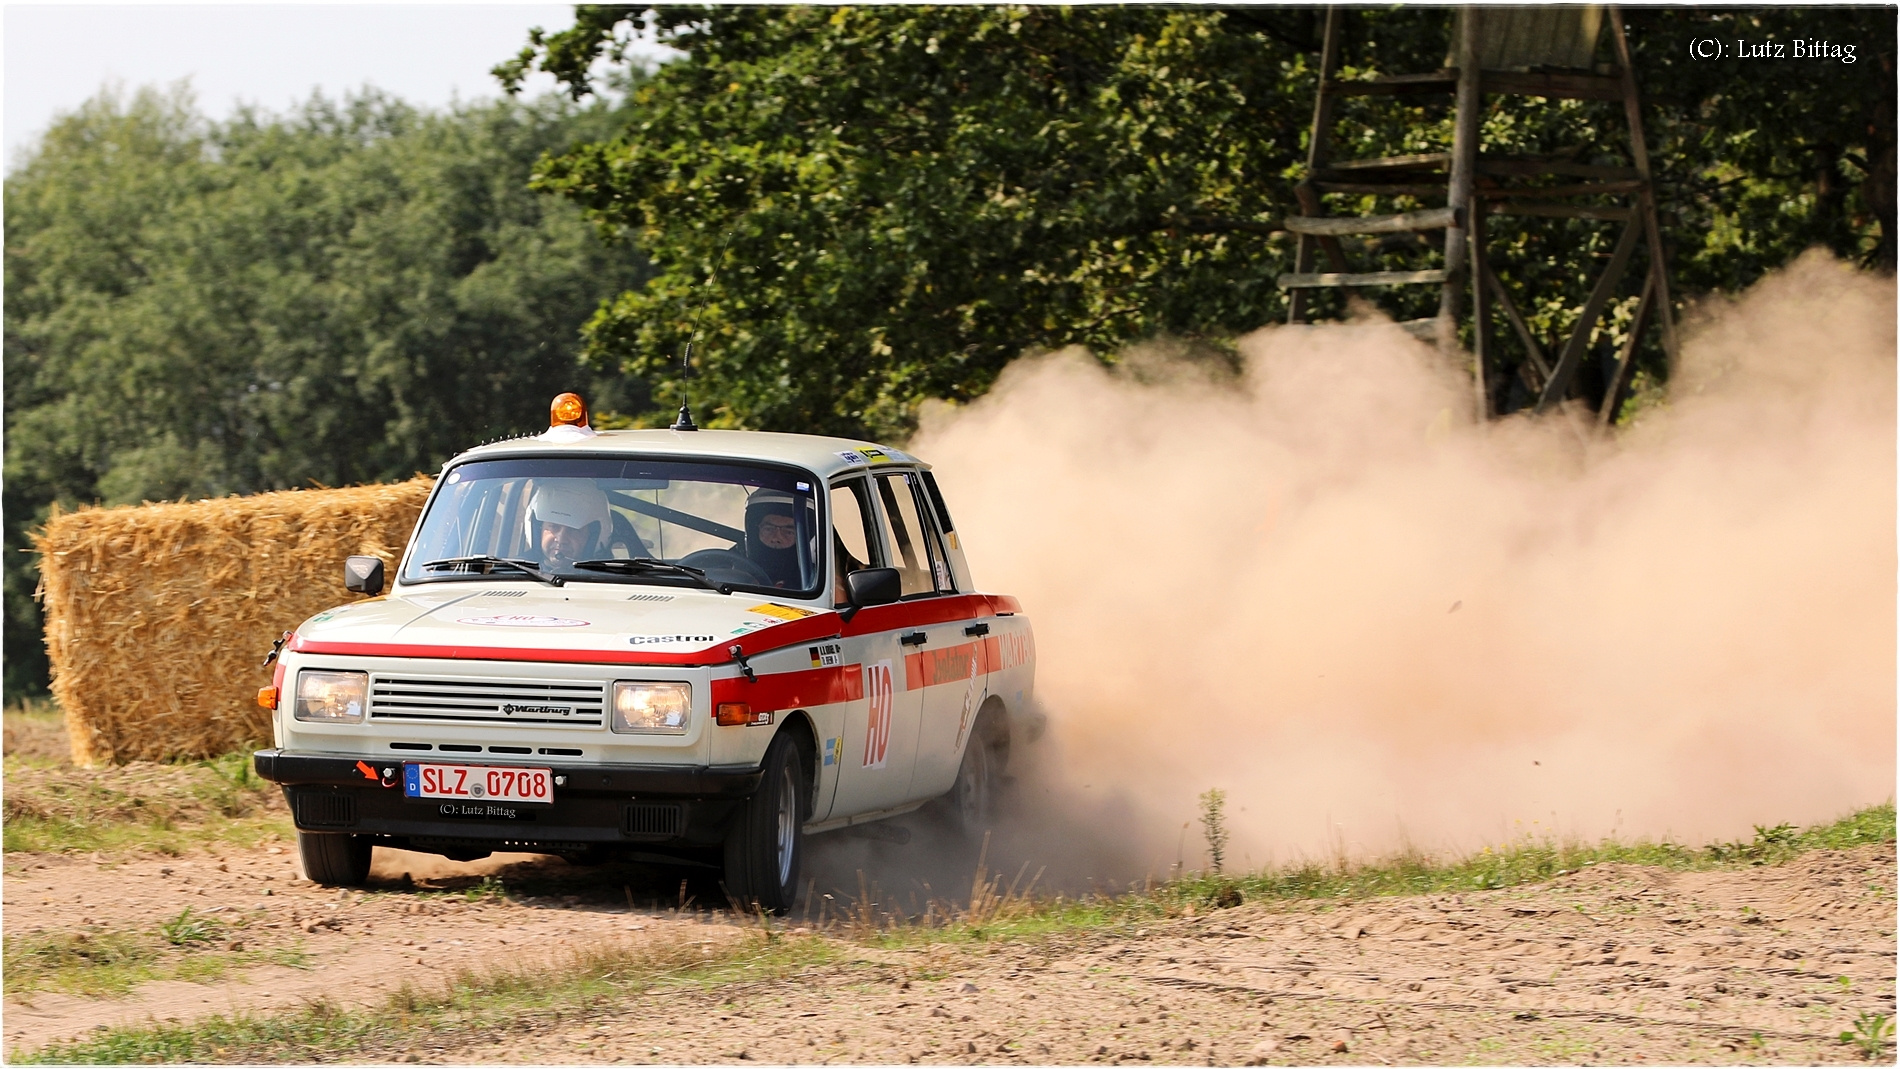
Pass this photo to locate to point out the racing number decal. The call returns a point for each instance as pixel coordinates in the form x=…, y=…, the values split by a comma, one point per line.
x=877, y=728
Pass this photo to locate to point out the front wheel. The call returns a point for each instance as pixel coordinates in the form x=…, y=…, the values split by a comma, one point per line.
x=334, y=860
x=766, y=842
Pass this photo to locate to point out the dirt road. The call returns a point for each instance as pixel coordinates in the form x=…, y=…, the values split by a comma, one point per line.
x=1615, y=964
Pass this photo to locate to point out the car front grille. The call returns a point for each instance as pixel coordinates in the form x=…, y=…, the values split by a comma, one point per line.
x=487, y=701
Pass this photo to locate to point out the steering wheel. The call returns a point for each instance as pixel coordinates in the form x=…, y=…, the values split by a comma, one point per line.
x=724, y=565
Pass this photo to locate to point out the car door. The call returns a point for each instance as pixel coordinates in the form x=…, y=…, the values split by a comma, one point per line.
x=874, y=754
x=946, y=660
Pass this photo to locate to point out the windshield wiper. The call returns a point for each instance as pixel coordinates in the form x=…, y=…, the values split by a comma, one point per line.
x=487, y=564
x=645, y=565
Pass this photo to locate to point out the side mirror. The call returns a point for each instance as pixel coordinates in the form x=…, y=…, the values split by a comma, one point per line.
x=364, y=575
x=873, y=586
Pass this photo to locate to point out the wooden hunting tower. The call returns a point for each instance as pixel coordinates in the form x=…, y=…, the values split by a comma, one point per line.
x=1546, y=52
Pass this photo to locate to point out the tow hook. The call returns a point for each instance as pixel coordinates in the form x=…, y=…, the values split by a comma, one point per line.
x=737, y=653
x=276, y=648
x=387, y=779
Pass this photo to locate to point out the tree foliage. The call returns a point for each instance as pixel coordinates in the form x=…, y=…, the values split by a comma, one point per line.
x=879, y=205
x=350, y=292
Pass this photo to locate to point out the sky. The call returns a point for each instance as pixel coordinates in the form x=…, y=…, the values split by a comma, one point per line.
x=58, y=56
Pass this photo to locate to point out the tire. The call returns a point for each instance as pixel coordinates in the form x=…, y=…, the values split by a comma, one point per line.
x=334, y=860
x=971, y=803
x=765, y=846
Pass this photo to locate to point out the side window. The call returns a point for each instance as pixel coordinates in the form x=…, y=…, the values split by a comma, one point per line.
x=852, y=542
x=936, y=501
x=929, y=509
x=914, y=551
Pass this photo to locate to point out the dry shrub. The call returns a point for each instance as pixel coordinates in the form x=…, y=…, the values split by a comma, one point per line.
x=158, y=616
x=36, y=733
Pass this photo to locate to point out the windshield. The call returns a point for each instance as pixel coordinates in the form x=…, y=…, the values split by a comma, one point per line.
x=743, y=526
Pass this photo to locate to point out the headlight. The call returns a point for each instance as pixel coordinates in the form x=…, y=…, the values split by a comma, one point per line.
x=652, y=708
x=331, y=696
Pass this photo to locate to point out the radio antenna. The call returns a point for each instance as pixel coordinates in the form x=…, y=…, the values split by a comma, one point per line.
x=684, y=421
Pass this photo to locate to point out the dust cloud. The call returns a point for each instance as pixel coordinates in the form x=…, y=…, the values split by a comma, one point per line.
x=1321, y=588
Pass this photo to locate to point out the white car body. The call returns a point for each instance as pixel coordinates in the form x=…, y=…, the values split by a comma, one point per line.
x=880, y=703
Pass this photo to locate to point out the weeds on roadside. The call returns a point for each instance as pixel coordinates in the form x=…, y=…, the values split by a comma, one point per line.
x=112, y=962
x=1531, y=861
x=1214, y=826
x=185, y=930
x=490, y=889
x=1870, y=1033
x=151, y=807
x=472, y=1004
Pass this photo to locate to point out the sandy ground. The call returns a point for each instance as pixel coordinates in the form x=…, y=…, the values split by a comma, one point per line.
x=1615, y=964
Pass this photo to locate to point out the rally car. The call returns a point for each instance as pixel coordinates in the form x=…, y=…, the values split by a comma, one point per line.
x=682, y=644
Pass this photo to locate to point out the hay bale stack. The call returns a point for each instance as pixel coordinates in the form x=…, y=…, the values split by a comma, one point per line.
x=158, y=617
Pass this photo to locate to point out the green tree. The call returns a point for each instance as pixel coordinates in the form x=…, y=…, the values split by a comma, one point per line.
x=351, y=292
x=883, y=204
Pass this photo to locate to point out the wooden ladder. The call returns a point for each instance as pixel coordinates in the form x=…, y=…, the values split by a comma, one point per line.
x=1487, y=42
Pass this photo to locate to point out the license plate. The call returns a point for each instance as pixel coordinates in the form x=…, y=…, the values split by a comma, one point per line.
x=484, y=783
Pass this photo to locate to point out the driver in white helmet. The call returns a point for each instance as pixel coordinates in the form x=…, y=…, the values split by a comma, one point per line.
x=571, y=517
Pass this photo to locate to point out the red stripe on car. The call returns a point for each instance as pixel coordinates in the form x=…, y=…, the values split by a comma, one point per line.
x=793, y=690
x=920, y=613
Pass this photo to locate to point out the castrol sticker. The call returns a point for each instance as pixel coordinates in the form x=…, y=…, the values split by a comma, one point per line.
x=877, y=727
x=523, y=621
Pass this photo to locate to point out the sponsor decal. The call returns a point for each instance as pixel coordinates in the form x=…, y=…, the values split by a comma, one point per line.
x=870, y=454
x=834, y=751
x=1014, y=649
x=827, y=655
x=970, y=694
x=949, y=664
x=782, y=612
x=943, y=577
x=877, y=726
x=664, y=640
x=523, y=621
x=952, y=539
x=750, y=626
x=322, y=616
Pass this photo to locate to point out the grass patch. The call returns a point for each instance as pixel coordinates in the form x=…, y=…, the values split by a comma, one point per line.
x=53, y=807
x=473, y=1006
x=1526, y=861
x=1002, y=912
x=111, y=963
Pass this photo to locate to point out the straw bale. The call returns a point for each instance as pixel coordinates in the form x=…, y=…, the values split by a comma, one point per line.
x=158, y=616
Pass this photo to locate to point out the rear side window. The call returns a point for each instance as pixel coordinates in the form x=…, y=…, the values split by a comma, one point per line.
x=936, y=503
x=914, y=550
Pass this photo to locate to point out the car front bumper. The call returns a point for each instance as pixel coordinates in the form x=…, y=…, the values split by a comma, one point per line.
x=595, y=806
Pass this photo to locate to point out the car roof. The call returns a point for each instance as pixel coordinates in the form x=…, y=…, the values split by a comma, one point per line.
x=822, y=456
